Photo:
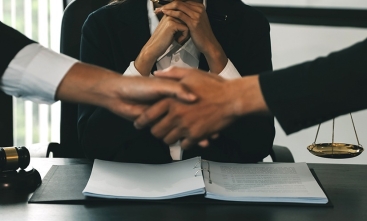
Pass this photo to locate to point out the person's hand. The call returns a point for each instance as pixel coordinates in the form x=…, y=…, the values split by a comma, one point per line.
x=194, y=15
x=168, y=29
x=219, y=103
x=127, y=97
x=135, y=94
x=216, y=107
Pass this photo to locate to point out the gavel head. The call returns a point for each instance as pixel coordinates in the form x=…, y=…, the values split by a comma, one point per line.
x=14, y=174
x=13, y=158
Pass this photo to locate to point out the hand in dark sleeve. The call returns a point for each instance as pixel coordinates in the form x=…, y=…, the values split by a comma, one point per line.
x=11, y=42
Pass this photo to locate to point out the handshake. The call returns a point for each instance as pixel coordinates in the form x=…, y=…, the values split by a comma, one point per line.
x=177, y=104
x=182, y=103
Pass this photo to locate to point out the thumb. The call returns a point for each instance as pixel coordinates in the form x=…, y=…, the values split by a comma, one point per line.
x=176, y=73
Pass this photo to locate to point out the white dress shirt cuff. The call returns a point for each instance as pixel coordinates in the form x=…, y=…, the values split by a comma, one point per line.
x=230, y=71
x=132, y=71
x=35, y=73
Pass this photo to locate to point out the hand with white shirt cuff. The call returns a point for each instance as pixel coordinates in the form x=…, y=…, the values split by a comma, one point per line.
x=125, y=96
x=43, y=76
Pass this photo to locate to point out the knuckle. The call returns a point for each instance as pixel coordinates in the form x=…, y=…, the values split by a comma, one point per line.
x=156, y=132
x=145, y=117
x=195, y=134
x=140, y=122
x=171, y=24
x=169, y=140
x=177, y=115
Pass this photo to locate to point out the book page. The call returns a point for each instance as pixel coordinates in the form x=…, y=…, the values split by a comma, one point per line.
x=262, y=182
x=144, y=181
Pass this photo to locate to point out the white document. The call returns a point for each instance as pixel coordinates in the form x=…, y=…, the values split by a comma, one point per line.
x=145, y=181
x=275, y=182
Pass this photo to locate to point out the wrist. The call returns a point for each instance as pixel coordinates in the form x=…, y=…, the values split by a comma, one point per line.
x=86, y=83
x=144, y=62
x=216, y=58
x=248, y=98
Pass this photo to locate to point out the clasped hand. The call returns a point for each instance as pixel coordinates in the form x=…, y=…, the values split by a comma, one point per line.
x=191, y=122
x=173, y=119
x=180, y=21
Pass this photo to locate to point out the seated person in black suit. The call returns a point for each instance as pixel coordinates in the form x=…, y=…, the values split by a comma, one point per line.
x=131, y=37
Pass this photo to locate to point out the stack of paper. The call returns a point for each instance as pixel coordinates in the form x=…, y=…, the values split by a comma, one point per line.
x=145, y=181
x=275, y=182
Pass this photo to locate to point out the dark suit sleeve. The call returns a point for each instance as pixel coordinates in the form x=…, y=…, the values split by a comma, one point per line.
x=11, y=42
x=313, y=92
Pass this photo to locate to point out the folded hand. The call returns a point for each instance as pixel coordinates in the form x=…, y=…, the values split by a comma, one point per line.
x=193, y=14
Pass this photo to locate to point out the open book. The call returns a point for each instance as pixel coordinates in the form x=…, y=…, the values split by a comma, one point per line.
x=268, y=182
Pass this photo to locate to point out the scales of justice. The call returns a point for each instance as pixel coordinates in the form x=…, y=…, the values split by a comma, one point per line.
x=336, y=150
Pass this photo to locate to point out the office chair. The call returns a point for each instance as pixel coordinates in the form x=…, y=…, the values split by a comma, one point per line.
x=281, y=154
x=73, y=19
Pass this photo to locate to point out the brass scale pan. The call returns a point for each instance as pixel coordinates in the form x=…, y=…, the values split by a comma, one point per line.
x=335, y=150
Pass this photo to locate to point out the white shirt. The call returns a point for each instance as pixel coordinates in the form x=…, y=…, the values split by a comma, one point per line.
x=35, y=73
x=186, y=55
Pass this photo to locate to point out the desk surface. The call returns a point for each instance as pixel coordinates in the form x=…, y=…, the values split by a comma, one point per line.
x=346, y=186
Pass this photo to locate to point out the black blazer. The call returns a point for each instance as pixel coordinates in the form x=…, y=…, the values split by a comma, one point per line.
x=11, y=42
x=113, y=36
x=313, y=92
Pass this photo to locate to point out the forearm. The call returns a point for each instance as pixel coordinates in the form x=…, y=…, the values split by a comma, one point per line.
x=125, y=96
x=216, y=58
x=296, y=95
x=85, y=83
x=144, y=62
